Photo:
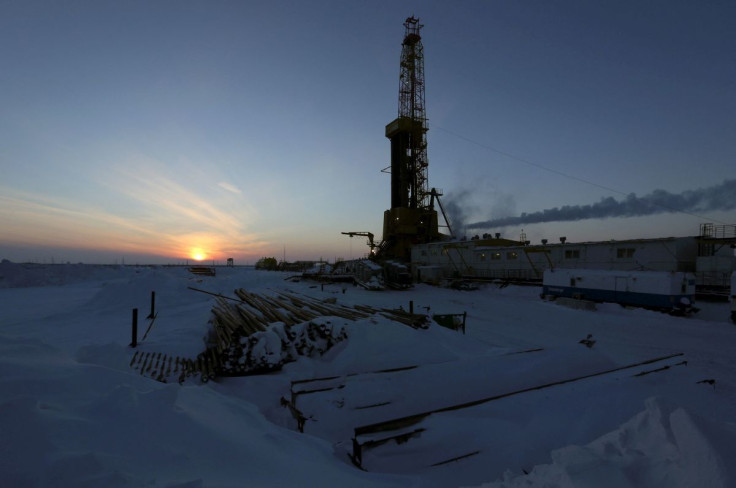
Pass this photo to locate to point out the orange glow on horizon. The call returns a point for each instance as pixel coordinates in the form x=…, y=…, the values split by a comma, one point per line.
x=198, y=254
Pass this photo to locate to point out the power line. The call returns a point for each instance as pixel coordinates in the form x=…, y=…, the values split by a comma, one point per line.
x=566, y=175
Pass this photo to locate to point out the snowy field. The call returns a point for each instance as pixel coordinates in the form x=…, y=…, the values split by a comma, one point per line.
x=74, y=413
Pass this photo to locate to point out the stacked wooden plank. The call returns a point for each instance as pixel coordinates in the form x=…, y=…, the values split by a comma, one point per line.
x=167, y=368
x=259, y=333
x=256, y=333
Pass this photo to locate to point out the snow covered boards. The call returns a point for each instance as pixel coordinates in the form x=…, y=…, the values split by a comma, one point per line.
x=259, y=333
x=374, y=414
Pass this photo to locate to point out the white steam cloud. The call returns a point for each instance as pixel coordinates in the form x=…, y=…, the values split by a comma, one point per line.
x=718, y=197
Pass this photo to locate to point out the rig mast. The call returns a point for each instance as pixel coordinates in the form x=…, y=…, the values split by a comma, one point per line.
x=409, y=130
x=411, y=218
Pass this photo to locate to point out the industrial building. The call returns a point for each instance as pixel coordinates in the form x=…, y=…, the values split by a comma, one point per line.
x=411, y=229
x=710, y=256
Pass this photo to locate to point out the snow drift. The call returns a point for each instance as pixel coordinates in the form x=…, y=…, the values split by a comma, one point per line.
x=73, y=412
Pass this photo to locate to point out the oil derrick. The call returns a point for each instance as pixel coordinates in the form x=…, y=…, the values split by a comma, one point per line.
x=411, y=219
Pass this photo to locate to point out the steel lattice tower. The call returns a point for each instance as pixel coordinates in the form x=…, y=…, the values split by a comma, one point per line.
x=411, y=107
x=411, y=219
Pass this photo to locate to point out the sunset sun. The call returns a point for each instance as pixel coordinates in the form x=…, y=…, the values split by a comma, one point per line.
x=198, y=255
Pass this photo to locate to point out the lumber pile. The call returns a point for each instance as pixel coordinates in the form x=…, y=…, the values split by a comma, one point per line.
x=257, y=333
x=254, y=312
x=269, y=350
x=261, y=333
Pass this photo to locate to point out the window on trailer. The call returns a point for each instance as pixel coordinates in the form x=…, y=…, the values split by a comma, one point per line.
x=625, y=252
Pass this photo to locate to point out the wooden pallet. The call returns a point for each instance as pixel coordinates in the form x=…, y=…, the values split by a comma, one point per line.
x=168, y=368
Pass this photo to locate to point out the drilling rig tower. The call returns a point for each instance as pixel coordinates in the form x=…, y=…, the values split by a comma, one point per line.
x=411, y=219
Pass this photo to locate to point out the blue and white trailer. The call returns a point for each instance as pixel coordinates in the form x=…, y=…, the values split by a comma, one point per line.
x=663, y=290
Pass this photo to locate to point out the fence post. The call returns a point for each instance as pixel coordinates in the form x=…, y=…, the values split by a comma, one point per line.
x=357, y=452
x=153, y=305
x=134, y=332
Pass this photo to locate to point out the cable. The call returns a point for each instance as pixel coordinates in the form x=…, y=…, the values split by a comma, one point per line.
x=560, y=173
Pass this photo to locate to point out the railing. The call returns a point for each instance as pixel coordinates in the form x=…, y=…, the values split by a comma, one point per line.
x=711, y=231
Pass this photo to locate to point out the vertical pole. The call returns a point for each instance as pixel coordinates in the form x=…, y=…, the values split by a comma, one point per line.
x=357, y=452
x=411, y=312
x=134, y=332
x=153, y=305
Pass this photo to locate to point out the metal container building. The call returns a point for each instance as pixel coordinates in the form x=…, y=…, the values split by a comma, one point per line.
x=511, y=260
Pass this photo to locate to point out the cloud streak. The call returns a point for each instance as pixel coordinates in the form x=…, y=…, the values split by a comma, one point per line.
x=717, y=197
x=189, y=214
x=229, y=187
x=154, y=215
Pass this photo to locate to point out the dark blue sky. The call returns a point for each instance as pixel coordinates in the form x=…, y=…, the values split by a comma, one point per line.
x=241, y=128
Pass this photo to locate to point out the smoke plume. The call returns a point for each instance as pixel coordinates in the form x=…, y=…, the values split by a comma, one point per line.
x=461, y=204
x=457, y=206
x=718, y=197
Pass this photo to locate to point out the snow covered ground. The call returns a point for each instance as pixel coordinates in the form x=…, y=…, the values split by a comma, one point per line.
x=73, y=412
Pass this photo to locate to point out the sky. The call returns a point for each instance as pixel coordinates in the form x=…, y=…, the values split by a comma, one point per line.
x=167, y=131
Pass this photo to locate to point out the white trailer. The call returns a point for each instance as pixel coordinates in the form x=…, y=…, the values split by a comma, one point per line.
x=672, y=291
